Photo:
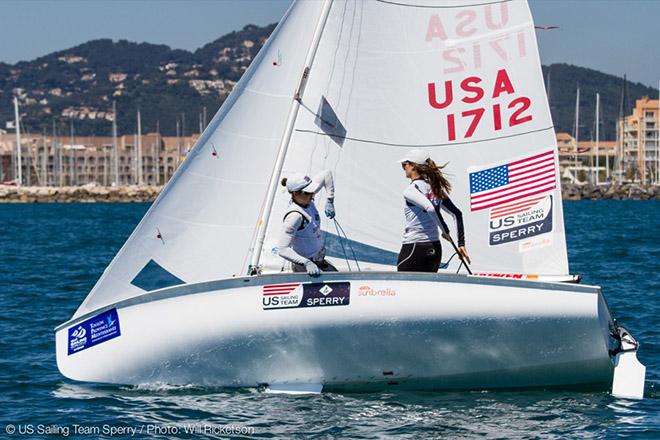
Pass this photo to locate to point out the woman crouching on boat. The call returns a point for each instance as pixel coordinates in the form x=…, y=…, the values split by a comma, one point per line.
x=301, y=239
x=426, y=195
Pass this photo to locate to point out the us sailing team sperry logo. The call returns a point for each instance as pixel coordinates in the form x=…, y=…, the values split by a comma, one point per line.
x=283, y=296
x=518, y=196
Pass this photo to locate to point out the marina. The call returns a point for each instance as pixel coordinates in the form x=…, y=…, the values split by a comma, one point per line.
x=388, y=229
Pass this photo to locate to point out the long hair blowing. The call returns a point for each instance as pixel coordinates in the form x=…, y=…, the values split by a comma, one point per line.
x=432, y=172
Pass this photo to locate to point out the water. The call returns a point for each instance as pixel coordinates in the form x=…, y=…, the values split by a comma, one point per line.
x=51, y=255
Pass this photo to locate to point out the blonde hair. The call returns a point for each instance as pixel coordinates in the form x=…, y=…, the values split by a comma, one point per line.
x=432, y=172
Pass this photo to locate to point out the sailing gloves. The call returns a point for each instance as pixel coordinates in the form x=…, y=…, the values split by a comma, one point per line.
x=330, y=208
x=312, y=269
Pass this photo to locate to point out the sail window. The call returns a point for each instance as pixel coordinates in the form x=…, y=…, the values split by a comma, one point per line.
x=153, y=276
x=328, y=121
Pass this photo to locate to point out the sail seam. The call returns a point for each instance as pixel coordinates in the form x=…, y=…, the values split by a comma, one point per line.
x=448, y=144
x=272, y=95
x=246, y=136
x=219, y=179
x=408, y=5
x=213, y=225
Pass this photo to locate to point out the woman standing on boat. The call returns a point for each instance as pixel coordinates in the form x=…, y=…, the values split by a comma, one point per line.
x=426, y=195
x=301, y=240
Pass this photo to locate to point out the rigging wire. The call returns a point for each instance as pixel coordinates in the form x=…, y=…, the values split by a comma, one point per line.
x=339, y=228
x=341, y=242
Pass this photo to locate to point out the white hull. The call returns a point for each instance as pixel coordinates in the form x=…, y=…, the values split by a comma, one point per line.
x=406, y=330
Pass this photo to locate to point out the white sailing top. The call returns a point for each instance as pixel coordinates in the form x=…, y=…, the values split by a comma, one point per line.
x=301, y=239
x=422, y=221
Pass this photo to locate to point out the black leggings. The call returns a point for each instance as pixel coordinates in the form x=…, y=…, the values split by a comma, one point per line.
x=419, y=257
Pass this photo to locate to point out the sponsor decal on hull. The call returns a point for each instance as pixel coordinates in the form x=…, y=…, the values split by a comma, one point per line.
x=295, y=295
x=370, y=291
x=94, y=331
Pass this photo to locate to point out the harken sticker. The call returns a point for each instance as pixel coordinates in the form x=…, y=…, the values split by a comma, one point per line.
x=285, y=296
x=93, y=331
x=520, y=221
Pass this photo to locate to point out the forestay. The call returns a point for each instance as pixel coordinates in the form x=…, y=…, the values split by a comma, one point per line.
x=459, y=79
x=202, y=224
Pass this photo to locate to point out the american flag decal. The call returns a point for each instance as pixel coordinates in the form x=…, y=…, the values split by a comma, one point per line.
x=512, y=181
x=515, y=207
x=280, y=289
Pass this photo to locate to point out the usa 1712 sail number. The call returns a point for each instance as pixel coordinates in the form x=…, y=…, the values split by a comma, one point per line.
x=471, y=90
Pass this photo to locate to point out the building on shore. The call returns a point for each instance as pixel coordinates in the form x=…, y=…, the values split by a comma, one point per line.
x=638, y=143
x=48, y=161
x=587, y=161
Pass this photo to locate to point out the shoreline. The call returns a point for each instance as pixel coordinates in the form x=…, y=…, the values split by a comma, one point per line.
x=147, y=194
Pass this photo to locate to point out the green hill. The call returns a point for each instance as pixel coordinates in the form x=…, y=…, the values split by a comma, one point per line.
x=170, y=86
x=564, y=79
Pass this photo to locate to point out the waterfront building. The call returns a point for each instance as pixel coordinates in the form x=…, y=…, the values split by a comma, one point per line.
x=591, y=159
x=638, y=142
x=48, y=161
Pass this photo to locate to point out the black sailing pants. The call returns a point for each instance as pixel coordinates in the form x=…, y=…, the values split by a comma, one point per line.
x=419, y=257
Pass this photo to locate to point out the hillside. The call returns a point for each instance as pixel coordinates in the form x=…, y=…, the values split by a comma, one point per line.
x=174, y=86
x=564, y=79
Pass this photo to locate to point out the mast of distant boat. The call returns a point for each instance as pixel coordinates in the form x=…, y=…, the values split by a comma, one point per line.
x=139, y=149
x=18, y=143
x=115, y=149
x=597, y=136
x=577, y=130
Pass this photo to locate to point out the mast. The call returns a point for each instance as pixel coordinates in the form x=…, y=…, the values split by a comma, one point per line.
x=177, y=157
x=18, y=143
x=622, y=127
x=204, y=115
x=157, y=155
x=138, y=162
x=548, y=86
x=115, y=149
x=577, y=129
x=73, y=176
x=58, y=148
x=262, y=224
x=44, y=160
x=597, y=135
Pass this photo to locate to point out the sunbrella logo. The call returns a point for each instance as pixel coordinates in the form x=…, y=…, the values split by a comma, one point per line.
x=370, y=291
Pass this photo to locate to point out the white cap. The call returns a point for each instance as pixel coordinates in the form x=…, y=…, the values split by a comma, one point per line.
x=415, y=156
x=297, y=182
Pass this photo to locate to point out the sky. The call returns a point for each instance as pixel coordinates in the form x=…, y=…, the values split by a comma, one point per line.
x=614, y=36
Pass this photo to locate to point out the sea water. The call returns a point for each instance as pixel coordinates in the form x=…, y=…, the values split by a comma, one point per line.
x=52, y=254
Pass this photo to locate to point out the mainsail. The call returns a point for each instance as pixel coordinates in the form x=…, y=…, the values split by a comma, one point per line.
x=460, y=79
x=201, y=226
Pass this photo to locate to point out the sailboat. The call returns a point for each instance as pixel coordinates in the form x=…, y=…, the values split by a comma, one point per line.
x=198, y=294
